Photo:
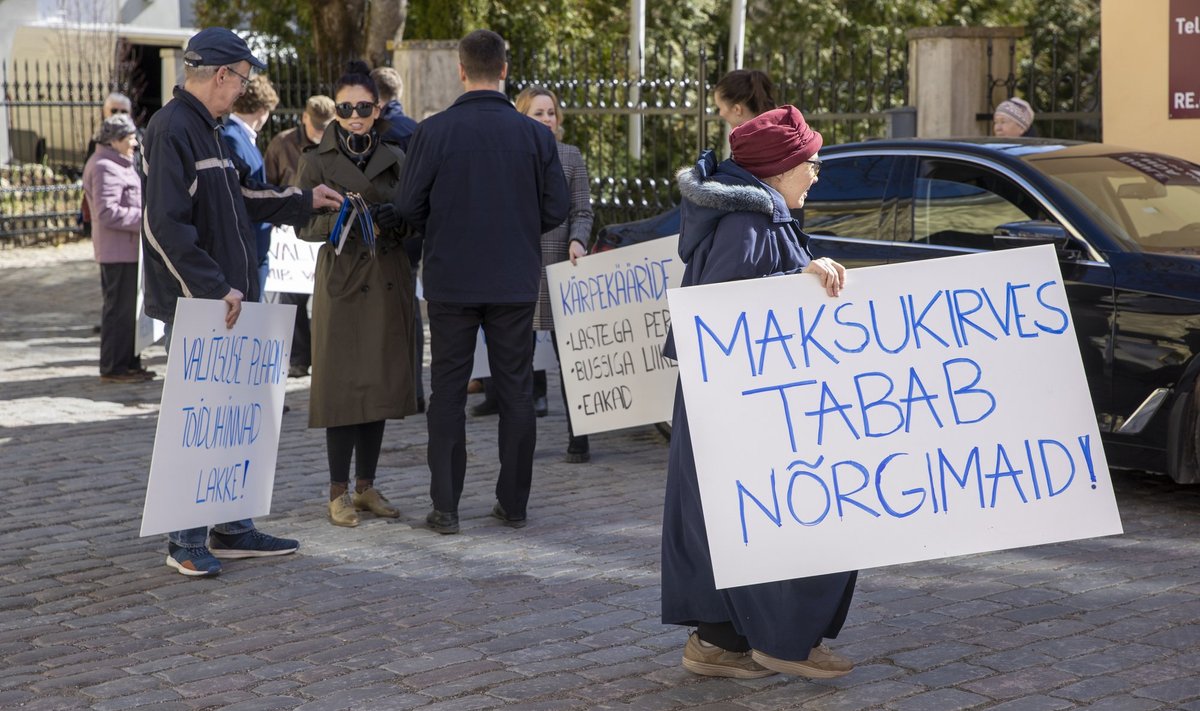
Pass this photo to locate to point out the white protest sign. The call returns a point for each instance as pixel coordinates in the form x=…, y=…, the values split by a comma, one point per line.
x=218, y=427
x=935, y=408
x=293, y=262
x=146, y=331
x=543, y=354
x=611, y=319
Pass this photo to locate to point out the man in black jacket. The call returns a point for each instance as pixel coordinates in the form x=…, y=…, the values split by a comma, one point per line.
x=197, y=232
x=482, y=183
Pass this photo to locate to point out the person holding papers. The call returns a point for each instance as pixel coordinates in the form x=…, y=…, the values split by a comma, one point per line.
x=482, y=184
x=737, y=225
x=567, y=241
x=362, y=323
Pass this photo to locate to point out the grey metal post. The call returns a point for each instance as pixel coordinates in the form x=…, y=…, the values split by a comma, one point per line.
x=901, y=122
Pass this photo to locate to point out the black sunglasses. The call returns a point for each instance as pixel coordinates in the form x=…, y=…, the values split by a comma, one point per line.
x=816, y=164
x=346, y=109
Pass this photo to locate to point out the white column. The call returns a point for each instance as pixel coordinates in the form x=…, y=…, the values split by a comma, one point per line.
x=637, y=65
x=737, y=33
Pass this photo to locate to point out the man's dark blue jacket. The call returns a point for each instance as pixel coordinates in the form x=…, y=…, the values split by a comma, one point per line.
x=199, y=205
x=482, y=182
x=400, y=127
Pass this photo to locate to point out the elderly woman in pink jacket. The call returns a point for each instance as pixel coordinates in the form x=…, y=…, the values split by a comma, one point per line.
x=114, y=192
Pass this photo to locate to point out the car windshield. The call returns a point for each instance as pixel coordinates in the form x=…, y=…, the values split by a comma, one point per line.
x=1151, y=201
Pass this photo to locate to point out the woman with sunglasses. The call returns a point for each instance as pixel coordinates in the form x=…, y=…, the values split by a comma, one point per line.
x=737, y=225
x=362, y=322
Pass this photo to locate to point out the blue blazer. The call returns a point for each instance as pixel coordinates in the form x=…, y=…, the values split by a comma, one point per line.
x=239, y=142
x=400, y=127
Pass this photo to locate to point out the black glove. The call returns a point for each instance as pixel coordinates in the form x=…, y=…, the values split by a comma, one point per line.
x=386, y=216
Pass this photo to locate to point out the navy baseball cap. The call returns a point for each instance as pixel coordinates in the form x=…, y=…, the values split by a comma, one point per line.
x=217, y=46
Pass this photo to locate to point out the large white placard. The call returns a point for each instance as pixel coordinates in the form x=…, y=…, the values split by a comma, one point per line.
x=935, y=408
x=611, y=319
x=146, y=331
x=293, y=262
x=218, y=427
x=543, y=354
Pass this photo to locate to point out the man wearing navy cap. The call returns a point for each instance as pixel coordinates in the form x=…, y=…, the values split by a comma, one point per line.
x=198, y=233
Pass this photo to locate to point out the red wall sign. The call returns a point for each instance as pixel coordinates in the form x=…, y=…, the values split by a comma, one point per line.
x=1183, y=82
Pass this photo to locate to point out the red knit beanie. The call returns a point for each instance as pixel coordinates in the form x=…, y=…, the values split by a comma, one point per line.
x=774, y=142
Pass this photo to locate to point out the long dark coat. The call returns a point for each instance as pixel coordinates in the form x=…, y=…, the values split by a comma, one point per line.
x=362, y=323
x=735, y=227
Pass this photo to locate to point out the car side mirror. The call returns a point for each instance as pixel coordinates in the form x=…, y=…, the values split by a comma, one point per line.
x=1031, y=233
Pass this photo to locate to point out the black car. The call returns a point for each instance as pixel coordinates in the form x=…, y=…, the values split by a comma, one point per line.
x=1126, y=225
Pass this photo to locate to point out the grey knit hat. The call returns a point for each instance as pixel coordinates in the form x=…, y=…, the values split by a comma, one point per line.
x=115, y=128
x=1018, y=110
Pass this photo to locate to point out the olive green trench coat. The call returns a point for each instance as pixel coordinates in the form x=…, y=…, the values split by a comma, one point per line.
x=362, y=322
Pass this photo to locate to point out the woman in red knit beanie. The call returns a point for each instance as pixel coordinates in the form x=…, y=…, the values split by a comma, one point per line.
x=737, y=224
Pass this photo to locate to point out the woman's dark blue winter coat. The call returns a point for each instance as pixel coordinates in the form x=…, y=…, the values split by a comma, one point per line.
x=736, y=227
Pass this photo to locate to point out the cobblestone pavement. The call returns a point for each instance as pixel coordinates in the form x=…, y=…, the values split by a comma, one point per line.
x=560, y=615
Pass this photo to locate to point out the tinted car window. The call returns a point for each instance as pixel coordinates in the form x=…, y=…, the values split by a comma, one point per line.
x=1149, y=200
x=958, y=204
x=847, y=197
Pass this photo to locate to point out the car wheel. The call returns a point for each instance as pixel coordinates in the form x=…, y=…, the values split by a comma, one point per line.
x=1183, y=439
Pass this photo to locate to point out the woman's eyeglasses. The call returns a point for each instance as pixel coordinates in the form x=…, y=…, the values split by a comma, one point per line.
x=816, y=164
x=346, y=109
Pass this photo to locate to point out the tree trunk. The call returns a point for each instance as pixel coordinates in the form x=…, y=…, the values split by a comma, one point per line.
x=337, y=34
x=385, y=24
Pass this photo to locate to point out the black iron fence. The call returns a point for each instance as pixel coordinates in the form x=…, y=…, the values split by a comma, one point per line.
x=1058, y=74
x=636, y=125
x=295, y=79
x=638, y=119
x=50, y=111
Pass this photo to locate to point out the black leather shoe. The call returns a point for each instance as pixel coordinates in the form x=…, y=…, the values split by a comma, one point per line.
x=540, y=408
x=485, y=408
x=577, y=450
x=442, y=522
x=510, y=521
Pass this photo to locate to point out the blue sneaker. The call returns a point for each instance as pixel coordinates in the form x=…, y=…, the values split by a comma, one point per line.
x=193, y=562
x=251, y=544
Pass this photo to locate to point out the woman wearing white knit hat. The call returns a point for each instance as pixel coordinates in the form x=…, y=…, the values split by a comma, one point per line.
x=1013, y=118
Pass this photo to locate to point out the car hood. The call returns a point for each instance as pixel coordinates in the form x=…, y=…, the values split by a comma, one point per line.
x=1168, y=273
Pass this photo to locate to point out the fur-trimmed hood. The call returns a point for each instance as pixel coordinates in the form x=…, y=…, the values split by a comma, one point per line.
x=711, y=190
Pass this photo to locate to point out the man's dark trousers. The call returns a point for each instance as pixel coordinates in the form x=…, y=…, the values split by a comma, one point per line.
x=453, y=330
x=302, y=331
